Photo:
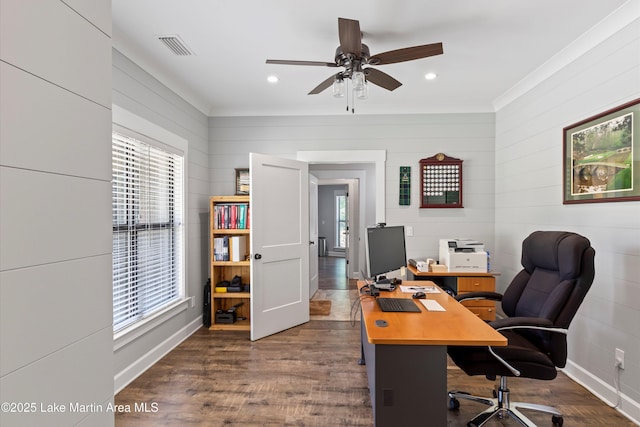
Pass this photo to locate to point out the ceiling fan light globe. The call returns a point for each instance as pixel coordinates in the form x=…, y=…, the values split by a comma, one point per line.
x=362, y=93
x=338, y=88
x=358, y=80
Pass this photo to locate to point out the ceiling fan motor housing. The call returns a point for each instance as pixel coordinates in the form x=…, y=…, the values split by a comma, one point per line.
x=348, y=60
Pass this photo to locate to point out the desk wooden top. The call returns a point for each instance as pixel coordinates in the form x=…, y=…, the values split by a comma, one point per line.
x=455, y=326
x=415, y=272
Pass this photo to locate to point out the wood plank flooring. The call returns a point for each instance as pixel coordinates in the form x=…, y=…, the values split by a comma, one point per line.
x=332, y=273
x=308, y=376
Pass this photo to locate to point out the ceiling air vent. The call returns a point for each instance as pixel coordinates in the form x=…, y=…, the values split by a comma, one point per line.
x=176, y=45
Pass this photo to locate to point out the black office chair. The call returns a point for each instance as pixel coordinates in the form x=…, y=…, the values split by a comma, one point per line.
x=539, y=305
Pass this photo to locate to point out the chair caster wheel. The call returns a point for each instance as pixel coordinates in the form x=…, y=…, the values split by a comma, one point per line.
x=454, y=404
x=557, y=420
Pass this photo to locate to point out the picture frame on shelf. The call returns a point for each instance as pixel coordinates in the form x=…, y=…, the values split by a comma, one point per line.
x=601, y=157
x=242, y=181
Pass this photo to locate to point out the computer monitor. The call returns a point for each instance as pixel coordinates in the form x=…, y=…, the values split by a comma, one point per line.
x=386, y=251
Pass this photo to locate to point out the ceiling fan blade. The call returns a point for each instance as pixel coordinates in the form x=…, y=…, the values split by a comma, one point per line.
x=287, y=62
x=322, y=86
x=381, y=79
x=406, y=54
x=350, y=36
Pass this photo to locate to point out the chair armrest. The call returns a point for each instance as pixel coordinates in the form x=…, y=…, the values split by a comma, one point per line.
x=520, y=321
x=510, y=323
x=526, y=323
x=493, y=296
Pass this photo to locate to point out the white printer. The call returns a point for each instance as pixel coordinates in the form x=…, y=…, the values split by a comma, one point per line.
x=463, y=255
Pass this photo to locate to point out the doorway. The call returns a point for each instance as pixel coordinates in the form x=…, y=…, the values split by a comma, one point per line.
x=333, y=230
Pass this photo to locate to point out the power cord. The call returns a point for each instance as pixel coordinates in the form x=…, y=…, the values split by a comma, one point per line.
x=616, y=382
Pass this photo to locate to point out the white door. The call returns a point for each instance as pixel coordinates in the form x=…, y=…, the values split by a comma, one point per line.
x=279, y=199
x=313, y=235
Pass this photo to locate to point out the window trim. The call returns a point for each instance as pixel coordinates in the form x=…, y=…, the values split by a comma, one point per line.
x=336, y=222
x=126, y=121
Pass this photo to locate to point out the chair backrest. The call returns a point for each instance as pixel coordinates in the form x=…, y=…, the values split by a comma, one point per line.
x=558, y=270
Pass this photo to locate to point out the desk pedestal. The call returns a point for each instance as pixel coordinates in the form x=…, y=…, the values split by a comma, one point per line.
x=407, y=383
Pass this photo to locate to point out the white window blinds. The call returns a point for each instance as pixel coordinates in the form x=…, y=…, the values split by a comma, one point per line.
x=147, y=229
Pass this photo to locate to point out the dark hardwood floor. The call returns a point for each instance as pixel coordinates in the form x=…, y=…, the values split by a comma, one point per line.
x=308, y=376
x=332, y=273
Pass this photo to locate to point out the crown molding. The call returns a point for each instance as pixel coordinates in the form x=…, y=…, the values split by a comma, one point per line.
x=611, y=24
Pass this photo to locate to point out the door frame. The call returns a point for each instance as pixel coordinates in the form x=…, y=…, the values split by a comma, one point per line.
x=377, y=158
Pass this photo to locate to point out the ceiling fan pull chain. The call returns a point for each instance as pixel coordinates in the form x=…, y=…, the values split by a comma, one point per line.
x=347, y=90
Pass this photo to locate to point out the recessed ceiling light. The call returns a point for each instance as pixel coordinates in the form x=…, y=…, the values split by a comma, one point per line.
x=430, y=76
x=272, y=79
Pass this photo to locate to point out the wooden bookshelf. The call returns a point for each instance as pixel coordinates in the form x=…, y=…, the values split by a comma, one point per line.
x=222, y=226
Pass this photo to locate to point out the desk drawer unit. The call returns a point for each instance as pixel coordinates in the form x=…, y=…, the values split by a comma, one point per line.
x=484, y=309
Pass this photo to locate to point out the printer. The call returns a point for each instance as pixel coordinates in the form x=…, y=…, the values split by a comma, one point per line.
x=463, y=256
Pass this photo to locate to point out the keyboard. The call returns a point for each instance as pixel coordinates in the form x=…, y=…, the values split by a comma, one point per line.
x=398, y=305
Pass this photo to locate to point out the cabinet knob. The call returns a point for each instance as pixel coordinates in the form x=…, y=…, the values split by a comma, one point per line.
x=257, y=256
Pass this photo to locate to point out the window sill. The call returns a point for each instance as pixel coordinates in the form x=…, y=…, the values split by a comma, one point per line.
x=131, y=333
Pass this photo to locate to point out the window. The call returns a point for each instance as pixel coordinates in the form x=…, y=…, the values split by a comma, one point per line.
x=148, y=229
x=341, y=220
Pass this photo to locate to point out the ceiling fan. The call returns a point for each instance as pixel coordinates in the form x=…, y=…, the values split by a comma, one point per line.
x=352, y=54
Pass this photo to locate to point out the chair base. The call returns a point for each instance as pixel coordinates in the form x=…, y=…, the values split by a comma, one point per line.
x=502, y=407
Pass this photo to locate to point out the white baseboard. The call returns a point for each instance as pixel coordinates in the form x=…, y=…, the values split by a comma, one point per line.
x=603, y=391
x=337, y=254
x=133, y=371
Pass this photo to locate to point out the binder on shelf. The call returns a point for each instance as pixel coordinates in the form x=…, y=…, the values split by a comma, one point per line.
x=238, y=248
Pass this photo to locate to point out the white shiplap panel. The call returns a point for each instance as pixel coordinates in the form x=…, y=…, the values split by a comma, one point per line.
x=529, y=196
x=135, y=90
x=405, y=139
x=53, y=306
x=79, y=373
x=80, y=128
x=49, y=218
x=51, y=41
x=98, y=12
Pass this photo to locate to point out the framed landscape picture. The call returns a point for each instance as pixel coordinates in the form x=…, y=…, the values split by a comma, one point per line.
x=602, y=158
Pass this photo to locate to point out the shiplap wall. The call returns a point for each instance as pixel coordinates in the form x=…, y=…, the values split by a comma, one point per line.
x=139, y=93
x=56, y=337
x=529, y=197
x=406, y=139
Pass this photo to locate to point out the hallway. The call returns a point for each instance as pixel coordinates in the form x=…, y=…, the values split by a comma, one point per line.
x=332, y=273
x=333, y=285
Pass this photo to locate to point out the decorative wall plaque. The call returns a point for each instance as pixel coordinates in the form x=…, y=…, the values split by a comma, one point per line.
x=441, y=182
x=405, y=186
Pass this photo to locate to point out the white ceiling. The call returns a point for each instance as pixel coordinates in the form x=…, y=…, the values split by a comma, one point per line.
x=490, y=46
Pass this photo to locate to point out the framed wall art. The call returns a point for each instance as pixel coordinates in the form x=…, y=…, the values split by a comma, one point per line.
x=242, y=181
x=602, y=158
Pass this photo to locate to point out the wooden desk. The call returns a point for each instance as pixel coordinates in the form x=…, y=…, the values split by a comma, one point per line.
x=462, y=283
x=407, y=360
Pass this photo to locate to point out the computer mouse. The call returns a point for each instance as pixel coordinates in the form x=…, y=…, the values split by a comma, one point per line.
x=419, y=295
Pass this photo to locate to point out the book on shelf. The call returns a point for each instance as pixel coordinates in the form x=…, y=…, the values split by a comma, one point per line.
x=230, y=248
x=230, y=216
x=221, y=248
